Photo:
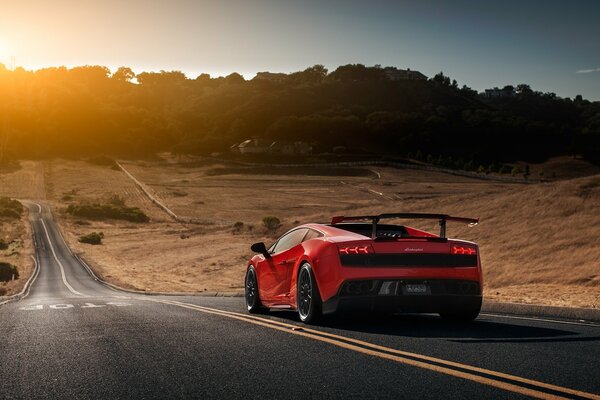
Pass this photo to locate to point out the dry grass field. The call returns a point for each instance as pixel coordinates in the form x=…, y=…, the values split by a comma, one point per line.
x=538, y=241
x=25, y=183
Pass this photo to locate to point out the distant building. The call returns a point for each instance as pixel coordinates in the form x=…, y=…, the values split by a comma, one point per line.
x=281, y=147
x=395, y=74
x=253, y=146
x=258, y=146
x=496, y=93
x=302, y=148
x=270, y=76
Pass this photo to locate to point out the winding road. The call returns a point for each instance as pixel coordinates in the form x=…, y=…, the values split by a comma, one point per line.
x=72, y=337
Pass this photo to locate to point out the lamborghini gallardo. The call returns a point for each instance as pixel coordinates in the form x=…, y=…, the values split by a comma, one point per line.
x=361, y=264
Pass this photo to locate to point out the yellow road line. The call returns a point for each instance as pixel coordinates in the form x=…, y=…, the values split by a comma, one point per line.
x=398, y=355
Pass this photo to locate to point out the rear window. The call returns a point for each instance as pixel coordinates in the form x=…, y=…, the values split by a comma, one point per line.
x=289, y=240
x=383, y=230
x=312, y=234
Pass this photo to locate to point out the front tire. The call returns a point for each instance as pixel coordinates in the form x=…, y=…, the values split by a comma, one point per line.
x=308, y=299
x=253, y=303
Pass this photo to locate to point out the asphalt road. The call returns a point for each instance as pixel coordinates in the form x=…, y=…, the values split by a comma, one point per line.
x=74, y=338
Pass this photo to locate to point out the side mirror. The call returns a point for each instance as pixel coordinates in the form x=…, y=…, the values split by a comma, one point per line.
x=260, y=248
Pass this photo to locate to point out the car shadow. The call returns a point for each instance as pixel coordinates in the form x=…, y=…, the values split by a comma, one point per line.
x=432, y=326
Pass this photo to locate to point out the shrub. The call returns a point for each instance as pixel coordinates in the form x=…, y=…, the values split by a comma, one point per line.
x=515, y=171
x=3, y=245
x=271, y=223
x=441, y=161
x=92, y=238
x=107, y=211
x=8, y=271
x=10, y=208
x=504, y=169
x=237, y=227
x=469, y=166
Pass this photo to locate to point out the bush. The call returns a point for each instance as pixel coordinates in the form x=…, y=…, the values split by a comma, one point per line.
x=238, y=227
x=441, y=161
x=7, y=271
x=107, y=211
x=10, y=208
x=504, y=169
x=515, y=171
x=271, y=223
x=3, y=245
x=92, y=238
x=469, y=166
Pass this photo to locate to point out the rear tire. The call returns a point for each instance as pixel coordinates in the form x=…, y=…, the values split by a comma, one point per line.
x=253, y=303
x=309, y=302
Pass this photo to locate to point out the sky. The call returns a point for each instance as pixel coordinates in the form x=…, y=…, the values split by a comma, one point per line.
x=554, y=46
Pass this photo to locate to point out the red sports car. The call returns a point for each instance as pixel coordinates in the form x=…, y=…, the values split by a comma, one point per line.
x=360, y=264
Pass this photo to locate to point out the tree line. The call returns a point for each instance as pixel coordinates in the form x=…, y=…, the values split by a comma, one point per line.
x=90, y=110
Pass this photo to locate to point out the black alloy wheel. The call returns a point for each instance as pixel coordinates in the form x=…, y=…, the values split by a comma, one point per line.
x=309, y=301
x=251, y=291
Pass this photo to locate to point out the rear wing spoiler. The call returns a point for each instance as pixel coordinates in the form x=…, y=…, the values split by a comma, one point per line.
x=442, y=218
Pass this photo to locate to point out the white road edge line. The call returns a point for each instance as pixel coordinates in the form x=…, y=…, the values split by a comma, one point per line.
x=34, y=277
x=540, y=319
x=28, y=284
x=62, y=268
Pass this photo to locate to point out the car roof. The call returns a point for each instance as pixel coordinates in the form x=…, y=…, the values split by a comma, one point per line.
x=332, y=232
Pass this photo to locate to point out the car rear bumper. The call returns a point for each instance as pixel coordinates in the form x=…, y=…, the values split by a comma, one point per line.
x=391, y=296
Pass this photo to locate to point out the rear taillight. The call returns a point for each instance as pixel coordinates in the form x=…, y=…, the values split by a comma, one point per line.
x=364, y=249
x=463, y=250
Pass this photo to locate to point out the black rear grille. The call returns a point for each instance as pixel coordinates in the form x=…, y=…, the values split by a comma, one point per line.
x=408, y=260
x=437, y=287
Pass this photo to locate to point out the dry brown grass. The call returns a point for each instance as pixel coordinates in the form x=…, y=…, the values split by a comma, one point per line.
x=538, y=242
x=17, y=234
x=24, y=183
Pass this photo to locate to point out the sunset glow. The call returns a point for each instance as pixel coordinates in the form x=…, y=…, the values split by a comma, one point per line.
x=481, y=44
x=4, y=52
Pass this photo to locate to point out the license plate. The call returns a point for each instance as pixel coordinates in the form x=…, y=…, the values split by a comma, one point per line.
x=413, y=288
